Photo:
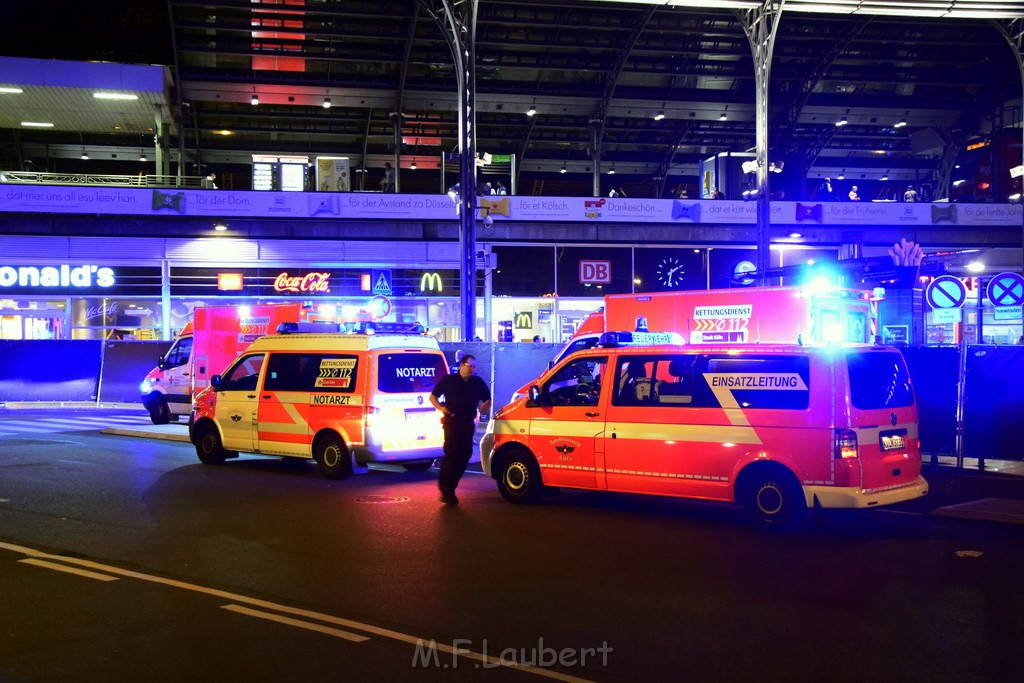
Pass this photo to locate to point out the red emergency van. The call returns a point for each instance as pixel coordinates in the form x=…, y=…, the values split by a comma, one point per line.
x=777, y=428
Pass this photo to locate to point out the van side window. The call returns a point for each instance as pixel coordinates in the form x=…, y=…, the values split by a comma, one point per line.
x=577, y=383
x=674, y=384
x=243, y=374
x=634, y=383
x=772, y=382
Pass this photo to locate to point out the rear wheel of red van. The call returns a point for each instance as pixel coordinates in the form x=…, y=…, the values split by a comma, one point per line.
x=332, y=458
x=773, y=498
x=519, y=477
x=208, y=445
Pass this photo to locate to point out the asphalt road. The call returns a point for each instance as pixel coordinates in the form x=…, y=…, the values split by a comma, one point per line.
x=123, y=558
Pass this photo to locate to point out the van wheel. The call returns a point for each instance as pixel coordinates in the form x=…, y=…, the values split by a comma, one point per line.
x=332, y=458
x=519, y=477
x=159, y=412
x=775, y=500
x=418, y=466
x=209, y=447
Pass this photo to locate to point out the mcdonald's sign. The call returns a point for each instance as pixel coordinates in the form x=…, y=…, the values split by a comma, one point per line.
x=524, y=320
x=431, y=282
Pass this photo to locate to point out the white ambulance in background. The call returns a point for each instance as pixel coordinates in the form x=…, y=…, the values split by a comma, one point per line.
x=345, y=400
x=212, y=339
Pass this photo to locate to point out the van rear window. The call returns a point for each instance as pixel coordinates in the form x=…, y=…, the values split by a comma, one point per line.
x=879, y=379
x=409, y=372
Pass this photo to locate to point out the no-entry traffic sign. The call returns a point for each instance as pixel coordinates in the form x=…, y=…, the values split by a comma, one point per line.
x=945, y=291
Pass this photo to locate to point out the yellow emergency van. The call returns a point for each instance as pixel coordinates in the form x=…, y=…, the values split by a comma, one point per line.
x=344, y=400
x=777, y=428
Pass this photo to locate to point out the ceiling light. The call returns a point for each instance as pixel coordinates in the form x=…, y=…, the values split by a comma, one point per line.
x=901, y=123
x=327, y=103
x=142, y=157
x=254, y=100
x=611, y=171
x=842, y=122
x=975, y=267
x=223, y=132
x=220, y=227
x=723, y=117
x=531, y=111
x=795, y=235
x=413, y=166
x=11, y=91
x=36, y=124
x=885, y=176
x=841, y=176
x=84, y=155
x=659, y=116
x=564, y=169
x=114, y=96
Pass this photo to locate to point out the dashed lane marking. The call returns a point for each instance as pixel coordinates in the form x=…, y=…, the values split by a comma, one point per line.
x=319, y=628
x=70, y=570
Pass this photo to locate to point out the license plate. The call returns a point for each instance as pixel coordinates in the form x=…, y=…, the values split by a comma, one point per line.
x=893, y=442
x=419, y=418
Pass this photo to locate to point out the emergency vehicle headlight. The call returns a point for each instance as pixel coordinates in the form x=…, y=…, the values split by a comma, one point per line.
x=146, y=384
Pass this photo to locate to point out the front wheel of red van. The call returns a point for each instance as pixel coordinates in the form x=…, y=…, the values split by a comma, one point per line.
x=332, y=458
x=519, y=477
x=208, y=445
x=775, y=500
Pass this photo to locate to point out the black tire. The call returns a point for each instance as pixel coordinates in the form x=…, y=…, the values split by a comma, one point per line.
x=332, y=457
x=519, y=477
x=775, y=500
x=418, y=466
x=159, y=412
x=208, y=445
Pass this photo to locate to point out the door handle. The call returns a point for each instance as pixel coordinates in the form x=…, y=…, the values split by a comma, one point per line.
x=251, y=396
x=264, y=396
x=588, y=414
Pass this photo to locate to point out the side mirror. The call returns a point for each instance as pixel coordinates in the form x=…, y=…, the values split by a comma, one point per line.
x=215, y=382
x=161, y=363
x=533, y=392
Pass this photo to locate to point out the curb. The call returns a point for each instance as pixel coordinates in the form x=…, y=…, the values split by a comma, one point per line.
x=163, y=436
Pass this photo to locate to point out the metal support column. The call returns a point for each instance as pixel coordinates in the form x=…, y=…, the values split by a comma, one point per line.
x=760, y=25
x=459, y=24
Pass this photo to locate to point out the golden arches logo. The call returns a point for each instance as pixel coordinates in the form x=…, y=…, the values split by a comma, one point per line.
x=431, y=282
x=524, y=320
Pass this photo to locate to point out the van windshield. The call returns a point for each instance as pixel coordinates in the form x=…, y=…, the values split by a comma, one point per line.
x=879, y=380
x=409, y=372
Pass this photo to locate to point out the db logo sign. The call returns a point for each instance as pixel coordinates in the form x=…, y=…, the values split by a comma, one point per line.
x=595, y=272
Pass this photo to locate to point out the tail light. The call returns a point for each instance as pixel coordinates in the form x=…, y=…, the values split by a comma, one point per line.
x=845, y=444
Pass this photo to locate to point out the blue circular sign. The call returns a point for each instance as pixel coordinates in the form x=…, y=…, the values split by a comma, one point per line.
x=945, y=291
x=1006, y=289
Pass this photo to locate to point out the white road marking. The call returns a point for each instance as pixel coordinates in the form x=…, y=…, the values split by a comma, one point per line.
x=354, y=637
x=70, y=570
x=309, y=614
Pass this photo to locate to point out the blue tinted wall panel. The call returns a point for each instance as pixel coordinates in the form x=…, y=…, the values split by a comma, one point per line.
x=933, y=370
x=49, y=370
x=994, y=406
x=125, y=364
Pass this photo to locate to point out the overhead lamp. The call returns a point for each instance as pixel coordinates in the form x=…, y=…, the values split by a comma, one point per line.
x=795, y=235
x=142, y=156
x=659, y=116
x=531, y=111
x=842, y=175
x=327, y=103
x=254, y=100
x=114, y=96
x=564, y=169
x=975, y=267
x=611, y=171
x=900, y=123
x=84, y=155
x=413, y=166
x=841, y=122
x=220, y=226
x=885, y=176
x=723, y=117
x=11, y=91
x=37, y=124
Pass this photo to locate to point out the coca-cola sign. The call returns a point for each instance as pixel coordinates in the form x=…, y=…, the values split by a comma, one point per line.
x=310, y=283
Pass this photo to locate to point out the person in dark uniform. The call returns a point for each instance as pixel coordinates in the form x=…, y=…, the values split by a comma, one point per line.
x=463, y=393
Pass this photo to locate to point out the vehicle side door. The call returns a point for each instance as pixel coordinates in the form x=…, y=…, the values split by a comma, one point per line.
x=284, y=404
x=566, y=421
x=237, y=402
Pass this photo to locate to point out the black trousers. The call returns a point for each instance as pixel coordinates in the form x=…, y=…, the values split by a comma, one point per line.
x=458, y=449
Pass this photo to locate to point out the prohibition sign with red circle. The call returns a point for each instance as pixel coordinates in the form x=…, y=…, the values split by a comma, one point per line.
x=1006, y=289
x=945, y=291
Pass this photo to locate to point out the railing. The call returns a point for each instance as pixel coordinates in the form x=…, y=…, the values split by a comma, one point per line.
x=33, y=178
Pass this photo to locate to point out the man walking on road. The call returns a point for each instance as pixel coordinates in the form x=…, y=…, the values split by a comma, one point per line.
x=463, y=393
